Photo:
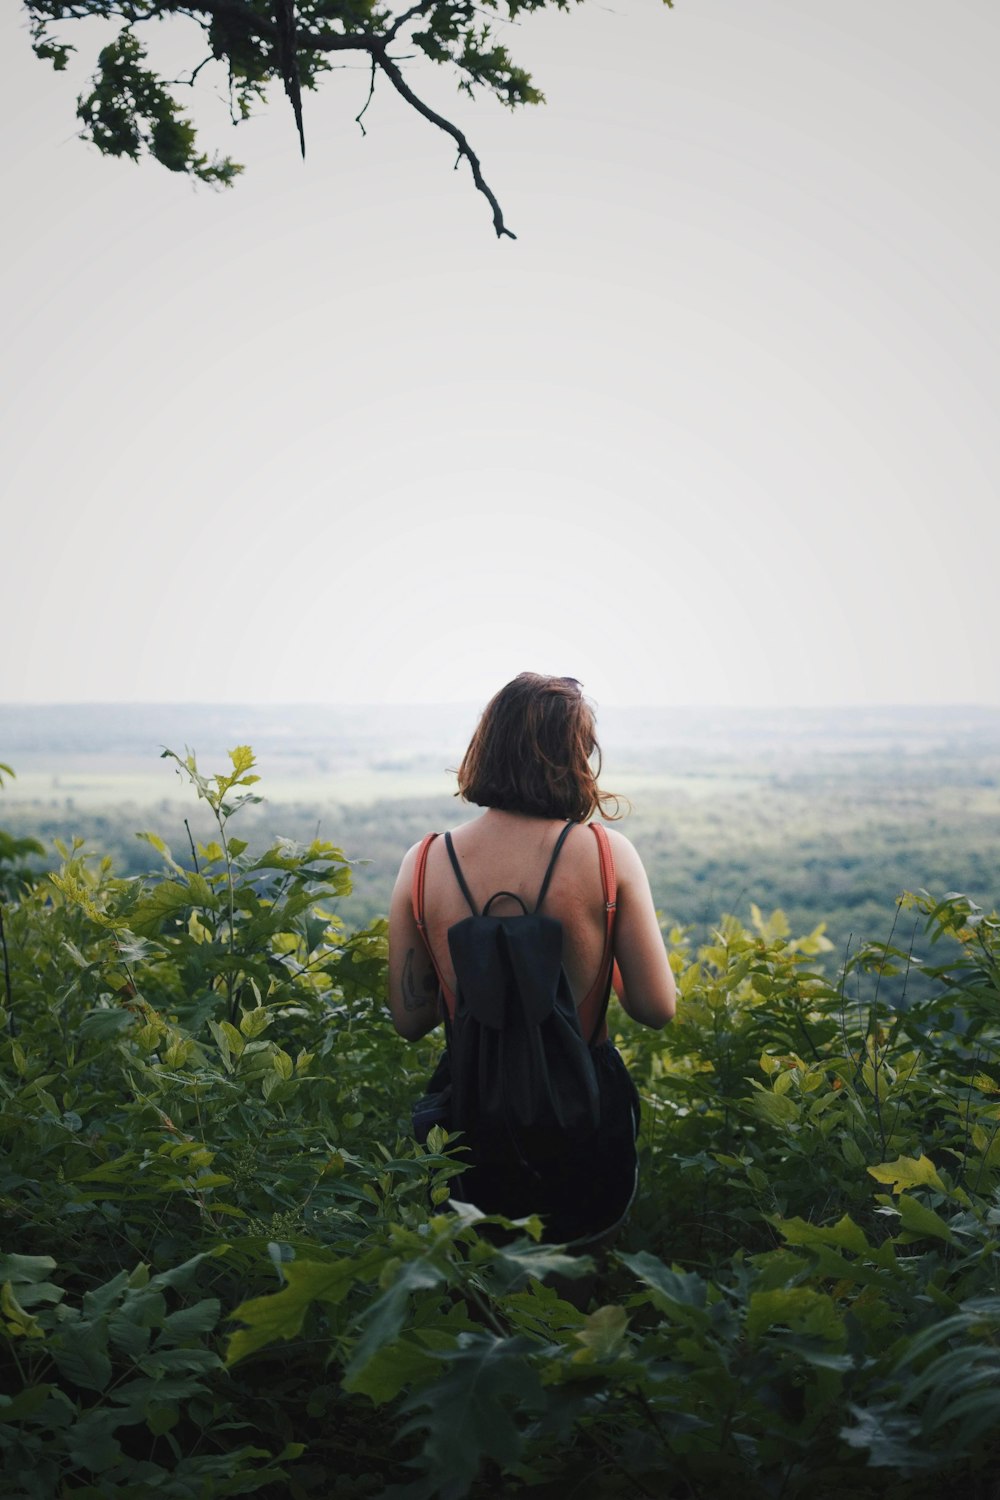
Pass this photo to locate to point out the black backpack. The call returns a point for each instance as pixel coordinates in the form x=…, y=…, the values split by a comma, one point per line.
x=523, y=1085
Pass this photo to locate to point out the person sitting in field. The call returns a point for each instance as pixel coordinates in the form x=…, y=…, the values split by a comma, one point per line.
x=511, y=931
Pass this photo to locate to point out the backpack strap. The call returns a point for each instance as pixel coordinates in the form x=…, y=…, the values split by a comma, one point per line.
x=419, y=879
x=552, y=864
x=458, y=874
x=609, y=885
x=417, y=901
x=609, y=882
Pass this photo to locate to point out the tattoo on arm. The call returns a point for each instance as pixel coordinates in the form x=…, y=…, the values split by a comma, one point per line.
x=414, y=997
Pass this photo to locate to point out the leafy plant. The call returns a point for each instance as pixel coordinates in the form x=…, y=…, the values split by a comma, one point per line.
x=229, y=1268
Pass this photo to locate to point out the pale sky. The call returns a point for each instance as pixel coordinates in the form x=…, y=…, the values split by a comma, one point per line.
x=718, y=428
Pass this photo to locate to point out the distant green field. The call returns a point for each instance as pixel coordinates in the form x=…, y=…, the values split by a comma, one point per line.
x=827, y=815
x=109, y=788
x=106, y=789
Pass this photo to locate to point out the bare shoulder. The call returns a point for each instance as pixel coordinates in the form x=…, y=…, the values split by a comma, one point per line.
x=407, y=867
x=410, y=857
x=627, y=861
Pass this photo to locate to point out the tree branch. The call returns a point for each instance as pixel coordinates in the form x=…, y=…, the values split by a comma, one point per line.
x=359, y=117
x=399, y=83
x=284, y=15
x=176, y=83
x=284, y=49
x=420, y=9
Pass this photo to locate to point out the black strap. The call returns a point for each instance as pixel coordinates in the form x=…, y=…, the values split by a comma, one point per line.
x=458, y=874
x=552, y=864
x=545, y=883
x=511, y=896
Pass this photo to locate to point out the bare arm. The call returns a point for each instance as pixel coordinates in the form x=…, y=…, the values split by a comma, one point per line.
x=646, y=988
x=413, y=983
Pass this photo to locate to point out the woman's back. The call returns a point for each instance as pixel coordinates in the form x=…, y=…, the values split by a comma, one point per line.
x=529, y=765
x=510, y=852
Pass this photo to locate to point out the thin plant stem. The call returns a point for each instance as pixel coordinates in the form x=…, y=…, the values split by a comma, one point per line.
x=194, y=852
x=8, y=990
x=220, y=819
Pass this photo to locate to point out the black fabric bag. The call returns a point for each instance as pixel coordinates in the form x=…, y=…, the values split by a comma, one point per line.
x=549, y=1120
x=523, y=1083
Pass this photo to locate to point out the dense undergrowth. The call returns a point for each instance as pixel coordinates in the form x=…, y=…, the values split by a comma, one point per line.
x=228, y=1268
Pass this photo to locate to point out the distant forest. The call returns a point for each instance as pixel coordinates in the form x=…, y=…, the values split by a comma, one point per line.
x=830, y=835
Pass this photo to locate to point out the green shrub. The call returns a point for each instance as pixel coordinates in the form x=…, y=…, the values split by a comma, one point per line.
x=229, y=1268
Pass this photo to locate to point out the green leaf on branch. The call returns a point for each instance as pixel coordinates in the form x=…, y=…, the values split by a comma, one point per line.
x=280, y=1315
x=468, y=1413
x=129, y=111
x=908, y=1172
x=382, y=1322
x=801, y=1309
x=602, y=1335
x=918, y=1221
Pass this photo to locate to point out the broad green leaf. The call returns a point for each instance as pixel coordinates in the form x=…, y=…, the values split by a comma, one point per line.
x=80, y=1351
x=222, y=1042
x=315, y=928
x=200, y=1317
x=160, y=1362
x=91, y=1443
x=512, y=1264
x=24, y=1404
x=242, y=758
x=200, y=893
x=894, y=1439
x=844, y=1235
x=101, y=1299
x=26, y=1268
x=392, y=1368
x=233, y=1037
x=19, y=1323
x=466, y=1414
x=162, y=1417
x=918, y=1219
x=776, y=1109
x=852, y=1152
x=280, y=1315
x=384, y=1319
x=673, y=1289
x=181, y=1277
x=907, y=1172
x=128, y=1335
x=167, y=899
x=799, y=1308
x=254, y=1022
x=277, y=1088
x=603, y=1334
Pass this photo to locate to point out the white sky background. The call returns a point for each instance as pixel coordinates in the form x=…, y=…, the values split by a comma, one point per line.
x=718, y=428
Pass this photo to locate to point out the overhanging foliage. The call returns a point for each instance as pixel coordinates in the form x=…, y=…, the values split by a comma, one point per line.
x=131, y=110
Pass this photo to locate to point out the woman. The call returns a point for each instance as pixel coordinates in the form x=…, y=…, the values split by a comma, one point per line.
x=529, y=766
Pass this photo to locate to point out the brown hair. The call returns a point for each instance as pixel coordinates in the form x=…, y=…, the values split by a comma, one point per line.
x=531, y=752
